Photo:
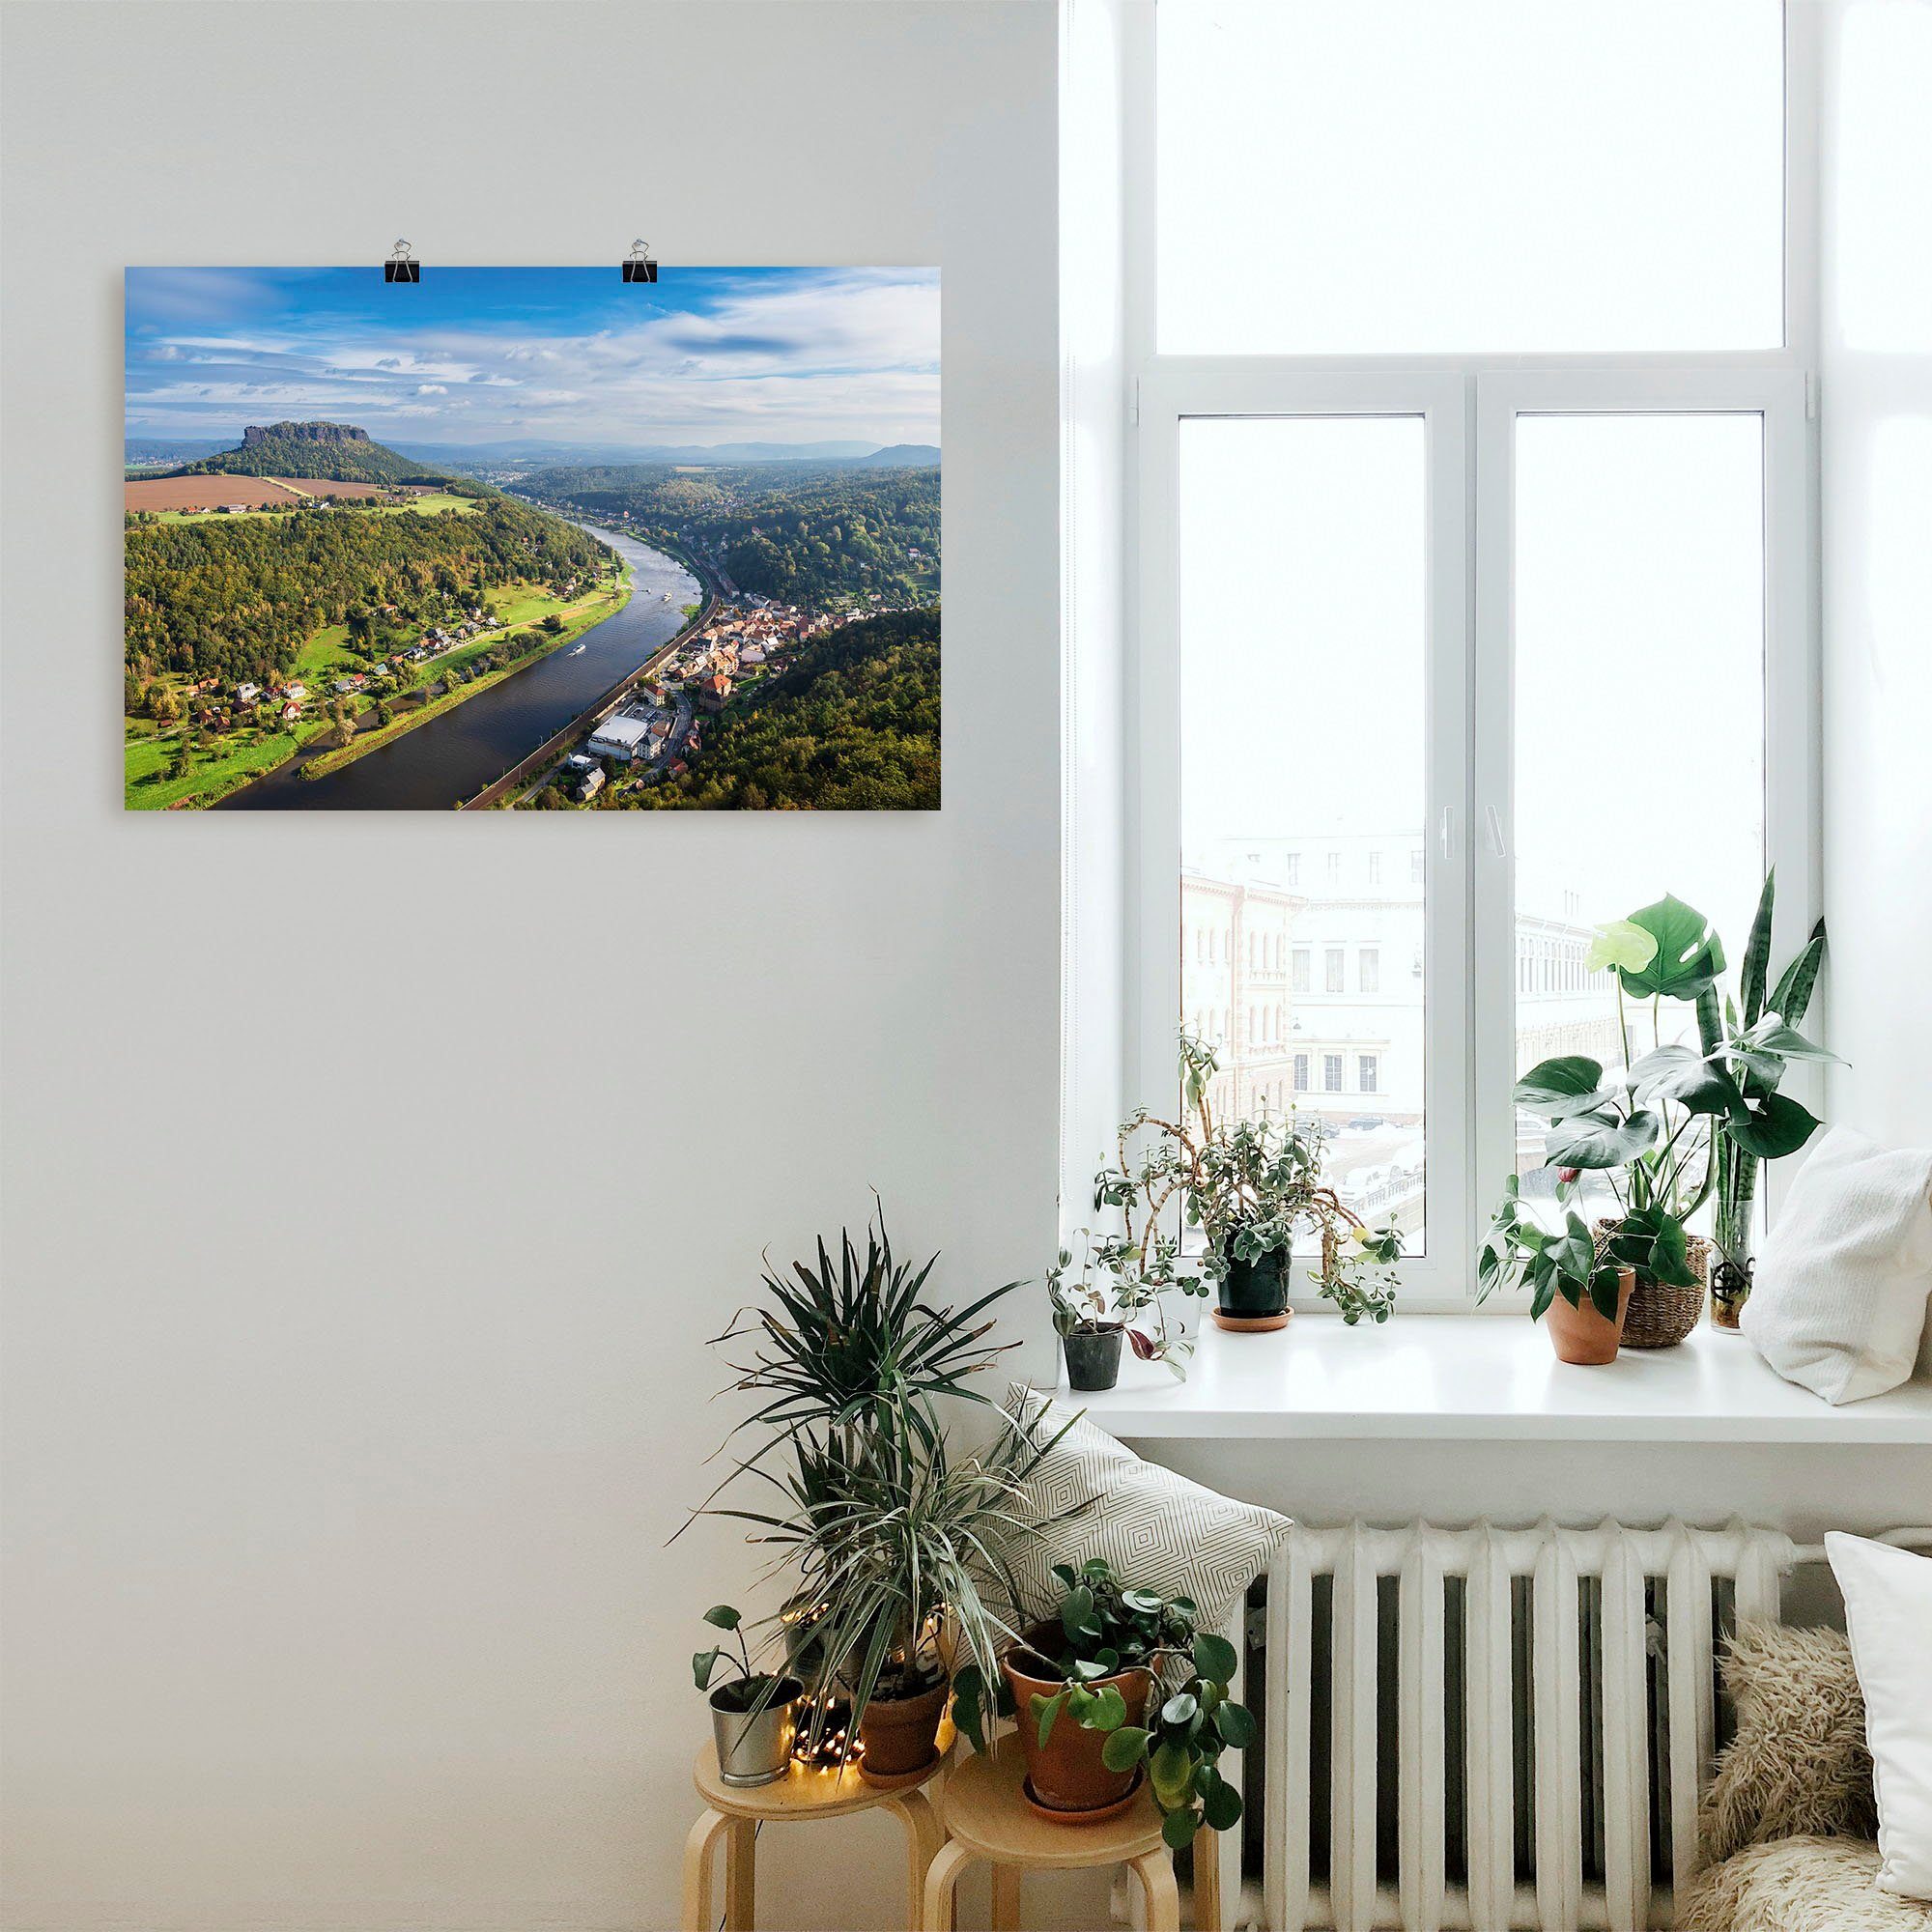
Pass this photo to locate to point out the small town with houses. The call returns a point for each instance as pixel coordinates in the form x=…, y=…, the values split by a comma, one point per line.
x=291, y=700
x=435, y=642
x=657, y=732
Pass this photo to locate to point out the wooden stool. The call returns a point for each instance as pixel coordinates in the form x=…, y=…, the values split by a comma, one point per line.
x=987, y=1817
x=803, y=1793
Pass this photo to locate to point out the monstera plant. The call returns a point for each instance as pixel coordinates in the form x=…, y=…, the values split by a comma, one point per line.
x=1675, y=1126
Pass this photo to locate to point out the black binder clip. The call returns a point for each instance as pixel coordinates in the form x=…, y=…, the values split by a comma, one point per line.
x=637, y=264
x=402, y=265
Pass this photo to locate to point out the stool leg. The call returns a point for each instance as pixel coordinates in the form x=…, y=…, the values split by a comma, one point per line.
x=941, y=1887
x=704, y=1835
x=1005, y=1898
x=1206, y=1881
x=923, y=1838
x=741, y=1875
x=1156, y=1871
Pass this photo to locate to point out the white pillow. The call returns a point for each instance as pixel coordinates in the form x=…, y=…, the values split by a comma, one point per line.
x=1839, y=1300
x=1156, y=1527
x=1889, y=1618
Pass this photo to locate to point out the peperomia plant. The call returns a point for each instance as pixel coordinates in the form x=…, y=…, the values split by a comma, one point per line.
x=1253, y=1187
x=1108, y=1627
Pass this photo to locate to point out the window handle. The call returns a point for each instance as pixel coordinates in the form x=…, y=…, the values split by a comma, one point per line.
x=1493, y=820
x=1445, y=832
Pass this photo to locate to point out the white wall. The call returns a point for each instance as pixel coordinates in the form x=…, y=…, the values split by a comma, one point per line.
x=1876, y=418
x=1094, y=461
x=373, y=1183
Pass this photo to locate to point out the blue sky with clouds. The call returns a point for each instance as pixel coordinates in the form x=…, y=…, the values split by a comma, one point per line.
x=705, y=355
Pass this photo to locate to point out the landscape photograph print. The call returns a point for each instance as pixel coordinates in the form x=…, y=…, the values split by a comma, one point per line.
x=532, y=540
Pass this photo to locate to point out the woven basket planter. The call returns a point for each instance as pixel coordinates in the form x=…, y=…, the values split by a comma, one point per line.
x=1660, y=1316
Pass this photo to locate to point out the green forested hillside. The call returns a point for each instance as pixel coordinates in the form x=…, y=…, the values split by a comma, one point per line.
x=799, y=532
x=331, y=450
x=851, y=724
x=238, y=597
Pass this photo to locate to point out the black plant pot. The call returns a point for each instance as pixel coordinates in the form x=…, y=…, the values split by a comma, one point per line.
x=1255, y=1290
x=1092, y=1359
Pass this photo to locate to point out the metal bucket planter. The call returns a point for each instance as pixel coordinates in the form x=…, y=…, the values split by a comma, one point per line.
x=754, y=1743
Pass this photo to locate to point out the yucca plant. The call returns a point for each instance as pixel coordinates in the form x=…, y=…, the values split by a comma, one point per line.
x=851, y=1361
x=889, y=1535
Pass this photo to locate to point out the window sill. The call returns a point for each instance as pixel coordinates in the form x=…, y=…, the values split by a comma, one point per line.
x=1469, y=1379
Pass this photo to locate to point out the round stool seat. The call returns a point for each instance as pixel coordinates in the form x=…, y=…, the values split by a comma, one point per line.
x=734, y=1812
x=804, y=1791
x=986, y=1811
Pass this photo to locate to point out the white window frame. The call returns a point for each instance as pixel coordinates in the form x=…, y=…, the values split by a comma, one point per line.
x=1469, y=405
x=1791, y=798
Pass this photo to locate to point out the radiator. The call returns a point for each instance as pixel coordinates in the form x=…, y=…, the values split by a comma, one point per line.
x=1517, y=1722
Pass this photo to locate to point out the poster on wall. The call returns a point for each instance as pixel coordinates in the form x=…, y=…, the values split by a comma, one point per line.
x=532, y=539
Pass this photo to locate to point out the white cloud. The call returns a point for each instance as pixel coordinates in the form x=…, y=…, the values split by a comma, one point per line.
x=845, y=355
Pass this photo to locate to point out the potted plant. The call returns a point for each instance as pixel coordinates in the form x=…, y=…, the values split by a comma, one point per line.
x=1253, y=1189
x=1677, y=1124
x=1585, y=1293
x=888, y=1536
x=1755, y=1038
x=1094, y=1311
x=752, y=1712
x=1083, y=1684
x=898, y=1556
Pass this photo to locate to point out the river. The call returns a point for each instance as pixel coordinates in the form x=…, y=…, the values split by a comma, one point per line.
x=456, y=754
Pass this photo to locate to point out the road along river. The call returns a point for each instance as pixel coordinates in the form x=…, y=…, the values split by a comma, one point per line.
x=456, y=754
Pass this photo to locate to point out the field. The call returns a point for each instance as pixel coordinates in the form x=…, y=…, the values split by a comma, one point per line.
x=205, y=492
x=324, y=486
x=176, y=499
x=240, y=755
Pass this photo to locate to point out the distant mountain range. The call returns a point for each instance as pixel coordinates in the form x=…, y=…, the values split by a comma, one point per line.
x=207, y=456
x=905, y=455
x=163, y=449
x=902, y=456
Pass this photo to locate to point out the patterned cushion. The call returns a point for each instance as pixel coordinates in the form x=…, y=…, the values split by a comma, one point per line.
x=1157, y=1529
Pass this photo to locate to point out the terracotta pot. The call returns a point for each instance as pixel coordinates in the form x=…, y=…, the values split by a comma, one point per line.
x=901, y=1734
x=1065, y=1772
x=1580, y=1334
